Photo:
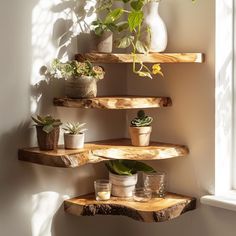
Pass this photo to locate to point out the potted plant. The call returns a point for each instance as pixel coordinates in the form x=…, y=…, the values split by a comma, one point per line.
x=123, y=175
x=140, y=129
x=80, y=77
x=48, y=130
x=103, y=29
x=74, y=135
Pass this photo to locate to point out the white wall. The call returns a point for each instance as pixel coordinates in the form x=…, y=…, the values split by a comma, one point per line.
x=32, y=195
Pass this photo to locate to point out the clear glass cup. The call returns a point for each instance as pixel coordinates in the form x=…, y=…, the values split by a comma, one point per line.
x=102, y=189
x=156, y=183
x=141, y=195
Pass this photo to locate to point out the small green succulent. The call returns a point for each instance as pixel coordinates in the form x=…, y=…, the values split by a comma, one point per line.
x=47, y=122
x=74, y=128
x=127, y=167
x=142, y=120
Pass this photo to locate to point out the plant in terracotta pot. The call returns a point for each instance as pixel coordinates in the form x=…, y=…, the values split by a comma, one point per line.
x=74, y=135
x=80, y=77
x=123, y=175
x=140, y=129
x=48, y=129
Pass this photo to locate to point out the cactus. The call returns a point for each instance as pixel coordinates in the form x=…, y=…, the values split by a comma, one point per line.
x=141, y=120
x=47, y=122
x=74, y=128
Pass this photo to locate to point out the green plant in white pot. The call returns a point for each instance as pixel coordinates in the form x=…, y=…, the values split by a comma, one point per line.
x=123, y=175
x=74, y=135
x=48, y=129
x=140, y=129
x=80, y=77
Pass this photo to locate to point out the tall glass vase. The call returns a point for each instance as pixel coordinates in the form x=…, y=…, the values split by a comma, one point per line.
x=157, y=39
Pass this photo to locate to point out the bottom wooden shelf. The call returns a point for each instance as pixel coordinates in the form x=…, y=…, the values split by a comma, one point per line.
x=155, y=210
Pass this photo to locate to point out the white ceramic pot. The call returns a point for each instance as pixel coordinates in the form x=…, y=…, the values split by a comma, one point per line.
x=81, y=87
x=140, y=136
x=152, y=20
x=74, y=141
x=123, y=185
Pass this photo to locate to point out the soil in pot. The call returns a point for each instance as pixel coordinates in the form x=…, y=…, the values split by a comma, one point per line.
x=47, y=141
x=74, y=141
x=123, y=185
x=140, y=136
x=81, y=87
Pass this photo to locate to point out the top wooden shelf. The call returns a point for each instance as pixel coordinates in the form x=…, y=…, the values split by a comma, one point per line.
x=146, y=58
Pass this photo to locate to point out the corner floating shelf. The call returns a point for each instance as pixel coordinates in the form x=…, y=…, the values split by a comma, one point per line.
x=101, y=151
x=118, y=102
x=155, y=210
x=146, y=58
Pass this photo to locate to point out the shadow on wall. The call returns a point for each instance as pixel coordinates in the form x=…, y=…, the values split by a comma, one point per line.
x=69, y=32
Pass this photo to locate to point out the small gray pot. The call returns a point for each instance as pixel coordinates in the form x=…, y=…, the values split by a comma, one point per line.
x=104, y=42
x=74, y=141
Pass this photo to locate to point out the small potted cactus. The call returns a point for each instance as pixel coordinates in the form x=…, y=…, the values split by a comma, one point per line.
x=48, y=130
x=140, y=129
x=74, y=135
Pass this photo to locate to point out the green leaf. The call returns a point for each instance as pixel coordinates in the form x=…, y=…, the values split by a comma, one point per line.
x=140, y=166
x=124, y=42
x=135, y=19
x=137, y=5
x=141, y=47
x=120, y=169
x=113, y=16
x=48, y=128
x=125, y=1
x=144, y=74
x=122, y=26
x=98, y=31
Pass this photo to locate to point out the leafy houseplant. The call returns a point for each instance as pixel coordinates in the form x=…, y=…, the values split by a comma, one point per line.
x=74, y=135
x=123, y=175
x=47, y=131
x=140, y=129
x=80, y=77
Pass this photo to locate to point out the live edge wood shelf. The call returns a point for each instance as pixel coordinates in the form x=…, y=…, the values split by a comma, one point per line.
x=118, y=102
x=102, y=151
x=155, y=210
x=146, y=58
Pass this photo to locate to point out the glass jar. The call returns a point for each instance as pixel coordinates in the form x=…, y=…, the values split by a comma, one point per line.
x=102, y=189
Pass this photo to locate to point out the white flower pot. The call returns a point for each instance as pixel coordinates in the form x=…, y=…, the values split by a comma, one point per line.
x=74, y=141
x=123, y=185
x=140, y=136
x=152, y=20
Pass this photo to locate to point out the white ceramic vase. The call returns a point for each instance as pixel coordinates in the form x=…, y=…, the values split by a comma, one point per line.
x=123, y=185
x=157, y=42
x=74, y=141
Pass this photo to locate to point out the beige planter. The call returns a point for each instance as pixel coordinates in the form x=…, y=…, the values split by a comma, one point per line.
x=104, y=42
x=81, y=87
x=140, y=136
x=123, y=185
x=74, y=141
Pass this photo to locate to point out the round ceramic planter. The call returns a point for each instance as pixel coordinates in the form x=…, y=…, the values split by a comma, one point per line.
x=123, y=185
x=74, y=141
x=81, y=87
x=140, y=136
x=157, y=40
x=104, y=42
x=47, y=141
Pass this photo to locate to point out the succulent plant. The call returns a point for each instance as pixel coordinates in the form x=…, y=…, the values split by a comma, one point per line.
x=142, y=120
x=47, y=122
x=74, y=128
x=127, y=167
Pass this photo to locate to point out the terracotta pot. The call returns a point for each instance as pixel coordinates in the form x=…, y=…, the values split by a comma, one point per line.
x=140, y=136
x=104, y=42
x=123, y=185
x=81, y=87
x=74, y=141
x=47, y=141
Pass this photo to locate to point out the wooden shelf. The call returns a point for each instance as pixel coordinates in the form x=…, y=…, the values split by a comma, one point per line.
x=148, y=58
x=120, y=102
x=155, y=210
x=102, y=151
